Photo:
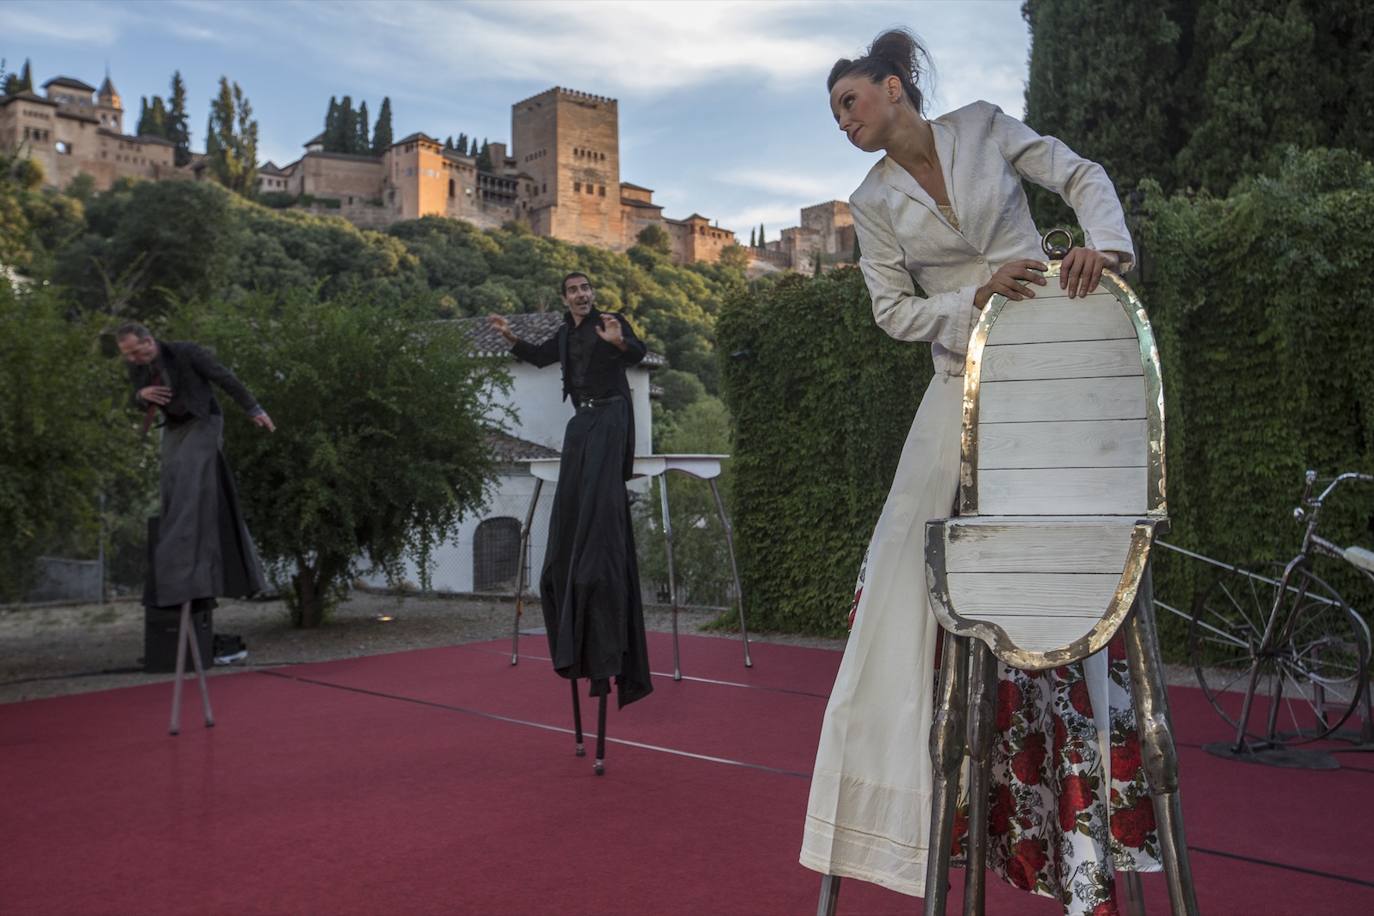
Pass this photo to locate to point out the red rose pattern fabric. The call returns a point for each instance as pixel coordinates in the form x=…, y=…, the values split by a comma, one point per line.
x=1062, y=820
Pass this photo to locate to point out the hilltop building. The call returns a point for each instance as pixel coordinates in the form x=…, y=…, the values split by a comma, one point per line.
x=77, y=128
x=826, y=235
x=562, y=178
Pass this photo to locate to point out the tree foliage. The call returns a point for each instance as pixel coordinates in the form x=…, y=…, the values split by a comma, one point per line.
x=1197, y=93
x=381, y=133
x=380, y=445
x=231, y=140
x=65, y=433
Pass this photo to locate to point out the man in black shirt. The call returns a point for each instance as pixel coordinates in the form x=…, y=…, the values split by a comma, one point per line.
x=589, y=586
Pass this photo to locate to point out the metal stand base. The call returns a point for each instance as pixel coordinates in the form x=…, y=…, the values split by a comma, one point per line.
x=1286, y=757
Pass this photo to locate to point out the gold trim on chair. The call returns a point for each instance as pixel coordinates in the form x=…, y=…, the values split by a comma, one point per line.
x=1156, y=496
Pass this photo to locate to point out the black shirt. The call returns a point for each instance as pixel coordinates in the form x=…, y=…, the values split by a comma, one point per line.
x=592, y=371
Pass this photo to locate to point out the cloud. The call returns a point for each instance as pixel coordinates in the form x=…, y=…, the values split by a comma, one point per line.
x=101, y=28
x=782, y=182
x=773, y=215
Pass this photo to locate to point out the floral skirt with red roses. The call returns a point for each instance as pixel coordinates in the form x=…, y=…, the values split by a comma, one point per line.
x=1070, y=805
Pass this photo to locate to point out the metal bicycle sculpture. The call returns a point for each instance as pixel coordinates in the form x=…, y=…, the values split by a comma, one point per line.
x=1289, y=638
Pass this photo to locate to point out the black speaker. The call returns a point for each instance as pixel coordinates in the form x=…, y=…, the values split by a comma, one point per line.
x=160, y=630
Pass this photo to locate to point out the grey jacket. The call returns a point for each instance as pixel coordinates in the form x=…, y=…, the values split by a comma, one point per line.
x=984, y=155
x=190, y=368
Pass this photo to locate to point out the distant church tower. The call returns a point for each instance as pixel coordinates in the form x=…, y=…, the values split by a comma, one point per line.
x=108, y=107
x=568, y=142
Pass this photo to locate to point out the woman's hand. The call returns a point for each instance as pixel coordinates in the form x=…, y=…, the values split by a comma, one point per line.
x=1013, y=280
x=1082, y=268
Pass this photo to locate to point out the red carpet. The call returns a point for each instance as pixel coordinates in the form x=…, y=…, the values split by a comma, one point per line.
x=441, y=781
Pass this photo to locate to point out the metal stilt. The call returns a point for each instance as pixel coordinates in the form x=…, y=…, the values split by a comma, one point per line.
x=830, y=895
x=672, y=580
x=186, y=637
x=580, y=749
x=599, y=764
x=734, y=571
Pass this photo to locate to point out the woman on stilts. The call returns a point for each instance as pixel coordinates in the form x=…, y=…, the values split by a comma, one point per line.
x=945, y=208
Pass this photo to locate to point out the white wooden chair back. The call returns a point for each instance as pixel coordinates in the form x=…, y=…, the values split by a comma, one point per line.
x=1062, y=483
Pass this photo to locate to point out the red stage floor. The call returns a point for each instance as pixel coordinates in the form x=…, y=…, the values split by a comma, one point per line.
x=443, y=781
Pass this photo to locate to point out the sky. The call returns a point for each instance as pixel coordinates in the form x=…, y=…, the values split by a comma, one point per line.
x=723, y=108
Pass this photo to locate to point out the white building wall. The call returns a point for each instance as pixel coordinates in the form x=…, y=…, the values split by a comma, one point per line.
x=537, y=394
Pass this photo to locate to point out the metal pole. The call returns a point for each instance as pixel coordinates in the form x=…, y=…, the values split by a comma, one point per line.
x=182, y=630
x=982, y=713
x=100, y=549
x=734, y=570
x=672, y=580
x=522, y=572
x=830, y=895
x=946, y=757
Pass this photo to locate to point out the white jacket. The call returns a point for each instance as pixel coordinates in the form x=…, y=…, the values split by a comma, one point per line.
x=984, y=154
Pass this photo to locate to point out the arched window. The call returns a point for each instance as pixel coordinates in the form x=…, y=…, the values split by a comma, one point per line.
x=495, y=554
x=452, y=192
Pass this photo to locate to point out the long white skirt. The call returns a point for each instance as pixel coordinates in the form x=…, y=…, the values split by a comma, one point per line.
x=869, y=811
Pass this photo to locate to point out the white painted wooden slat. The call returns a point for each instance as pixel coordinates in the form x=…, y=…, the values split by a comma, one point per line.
x=1050, y=316
x=1070, y=359
x=1062, y=491
x=1049, y=444
x=978, y=594
x=1045, y=635
x=1035, y=546
x=1062, y=399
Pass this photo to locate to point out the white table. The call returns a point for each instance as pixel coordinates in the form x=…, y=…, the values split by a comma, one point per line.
x=702, y=467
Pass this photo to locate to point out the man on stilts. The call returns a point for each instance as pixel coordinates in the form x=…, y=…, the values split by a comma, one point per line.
x=589, y=586
x=202, y=548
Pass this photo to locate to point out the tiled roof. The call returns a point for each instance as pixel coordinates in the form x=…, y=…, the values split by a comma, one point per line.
x=77, y=116
x=531, y=327
x=351, y=157
x=318, y=138
x=637, y=187
x=508, y=448
x=640, y=204
x=69, y=82
x=269, y=168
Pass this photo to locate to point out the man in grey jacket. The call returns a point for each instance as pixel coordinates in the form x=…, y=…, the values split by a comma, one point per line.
x=203, y=549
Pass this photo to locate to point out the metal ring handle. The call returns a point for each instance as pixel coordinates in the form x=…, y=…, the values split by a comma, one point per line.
x=1056, y=252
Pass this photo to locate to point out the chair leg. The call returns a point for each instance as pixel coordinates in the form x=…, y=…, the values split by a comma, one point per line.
x=947, y=755
x=1157, y=746
x=672, y=581
x=830, y=895
x=734, y=570
x=199, y=663
x=183, y=629
x=982, y=716
x=580, y=748
x=599, y=764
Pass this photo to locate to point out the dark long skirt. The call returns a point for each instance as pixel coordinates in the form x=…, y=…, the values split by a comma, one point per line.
x=203, y=548
x=589, y=587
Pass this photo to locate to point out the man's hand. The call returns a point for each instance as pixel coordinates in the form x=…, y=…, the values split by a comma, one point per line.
x=263, y=420
x=611, y=333
x=156, y=394
x=501, y=326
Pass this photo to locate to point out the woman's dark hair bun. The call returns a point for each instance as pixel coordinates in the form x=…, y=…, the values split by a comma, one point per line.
x=895, y=52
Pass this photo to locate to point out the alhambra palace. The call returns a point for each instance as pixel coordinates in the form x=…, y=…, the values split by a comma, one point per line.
x=560, y=176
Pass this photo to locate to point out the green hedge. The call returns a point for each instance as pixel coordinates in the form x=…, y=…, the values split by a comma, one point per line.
x=822, y=401
x=1261, y=303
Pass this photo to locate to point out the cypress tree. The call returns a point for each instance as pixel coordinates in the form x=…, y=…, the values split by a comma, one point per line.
x=153, y=118
x=361, y=143
x=761, y=239
x=381, y=133
x=752, y=243
x=178, y=124
x=462, y=144
x=484, y=157
x=231, y=139
x=26, y=77
x=344, y=131
x=331, y=124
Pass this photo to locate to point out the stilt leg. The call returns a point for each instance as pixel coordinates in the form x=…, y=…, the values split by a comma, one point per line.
x=947, y=755
x=982, y=715
x=734, y=570
x=1157, y=746
x=672, y=581
x=830, y=895
x=200, y=669
x=183, y=630
x=1130, y=895
x=522, y=574
x=599, y=764
x=580, y=749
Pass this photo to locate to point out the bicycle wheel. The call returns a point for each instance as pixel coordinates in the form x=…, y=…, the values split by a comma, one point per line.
x=1309, y=679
